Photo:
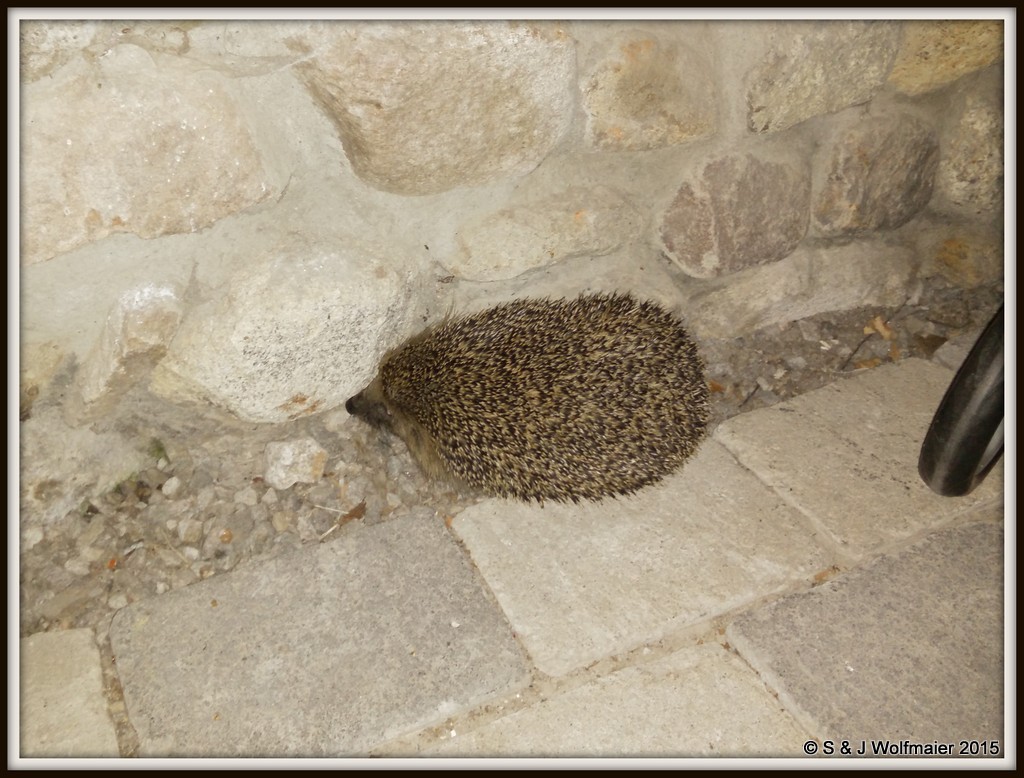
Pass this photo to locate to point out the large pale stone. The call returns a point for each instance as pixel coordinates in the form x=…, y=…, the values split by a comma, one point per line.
x=743, y=212
x=572, y=223
x=647, y=93
x=425, y=107
x=810, y=280
x=876, y=176
x=121, y=144
x=936, y=52
x=815, y=68
x=970, y=178
x=300, y=331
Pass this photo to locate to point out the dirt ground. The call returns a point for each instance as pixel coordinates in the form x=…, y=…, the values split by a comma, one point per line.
x=202, y=508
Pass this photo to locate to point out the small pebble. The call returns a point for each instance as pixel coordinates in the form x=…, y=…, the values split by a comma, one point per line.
x=293, y=461
x=205, y=497
x=154, y=478
x=77, y=566
x=190, y=531
x=171, y=486
x=282, y=520
x=247, y=496
x=796, y=363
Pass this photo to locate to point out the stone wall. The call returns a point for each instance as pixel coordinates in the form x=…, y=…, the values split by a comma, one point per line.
x=251, y=213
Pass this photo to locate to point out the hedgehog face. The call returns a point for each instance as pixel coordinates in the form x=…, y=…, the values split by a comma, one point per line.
x=369, y=406
x=373, y=406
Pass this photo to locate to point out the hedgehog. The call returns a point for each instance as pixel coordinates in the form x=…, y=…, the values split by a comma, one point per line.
x=542, y=399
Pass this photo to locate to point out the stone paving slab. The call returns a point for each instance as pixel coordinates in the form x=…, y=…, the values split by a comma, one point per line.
x=846, y=455
x=63, y=710
x=700, y=701
x=324, y=652
x=582, y=582
x=908, y=647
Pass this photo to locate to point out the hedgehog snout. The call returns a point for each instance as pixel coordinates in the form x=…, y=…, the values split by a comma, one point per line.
x=369, y=409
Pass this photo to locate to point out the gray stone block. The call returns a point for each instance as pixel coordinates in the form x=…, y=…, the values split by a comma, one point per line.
x=908, y=647
x=63, y=711
x=581, y=582
x=324, y=652
x=846, y=456
x=701, y=701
